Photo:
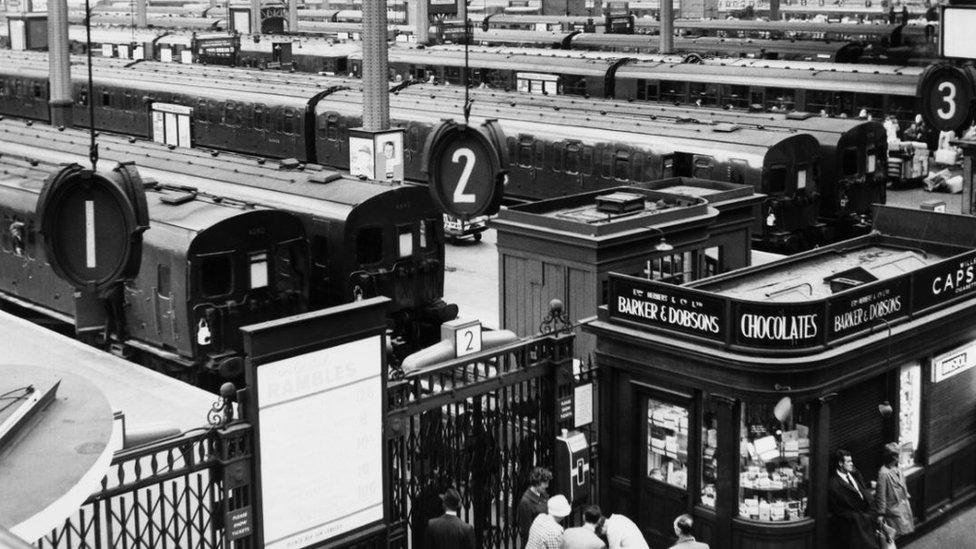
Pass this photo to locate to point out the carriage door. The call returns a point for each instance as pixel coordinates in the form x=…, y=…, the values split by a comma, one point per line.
x=665, y=439
x=171, y=124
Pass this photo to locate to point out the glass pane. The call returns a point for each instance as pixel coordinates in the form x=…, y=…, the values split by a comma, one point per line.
x=909, y=406
x=216, y=276
x=259, y=270
x=369, y=245
x=406, y=242
x=774, y=461
x=667, y=443
x=709, y=442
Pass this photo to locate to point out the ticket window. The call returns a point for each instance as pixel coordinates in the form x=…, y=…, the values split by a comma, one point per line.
x=665, y=443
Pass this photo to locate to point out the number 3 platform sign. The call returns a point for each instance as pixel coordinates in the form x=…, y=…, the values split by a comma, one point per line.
x=466, y=168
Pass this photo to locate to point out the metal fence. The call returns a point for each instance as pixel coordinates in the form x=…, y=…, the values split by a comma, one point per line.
x=478, y=424
x=173, y=493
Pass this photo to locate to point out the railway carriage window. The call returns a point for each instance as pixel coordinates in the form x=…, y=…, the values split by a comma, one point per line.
x=702, y=167
x=540, y=155
x=848, y=161
x=587, y=160
x=737, y=171
x=405, y=241
x=18, y=88
x=525, y=152
x=902, y=108
x=422, y=235
x=641, y=94
x=572, y=158
x=162, y=280
x=332, y=132
x=106, y=99
x=780, y=99
x=288, y=121
x=707, y=93
x=872, y=161
x=259, y=117
x=369, y=245
x=801, y=178
x=757, y=97
x=216, y=275
x=871, y=103
x=737, y=96
x=37, y=91
x=818, y=100
x=672, y=92
x=775, y=180
x=606, y=163
x=621, y=166
x=259, y=269
x=6, y=237
x=556, y=157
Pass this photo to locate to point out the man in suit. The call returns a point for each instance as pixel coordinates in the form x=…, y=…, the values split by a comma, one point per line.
x=448, y=531
x=584, y=537
x=853, y=518
x=533, y=502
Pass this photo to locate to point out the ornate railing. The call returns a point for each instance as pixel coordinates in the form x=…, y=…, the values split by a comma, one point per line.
x=479, y=424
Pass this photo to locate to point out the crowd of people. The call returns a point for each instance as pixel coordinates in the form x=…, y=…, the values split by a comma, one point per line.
x=862, y=517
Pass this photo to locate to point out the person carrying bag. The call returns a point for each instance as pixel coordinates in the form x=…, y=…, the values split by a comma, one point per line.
x=892, y=499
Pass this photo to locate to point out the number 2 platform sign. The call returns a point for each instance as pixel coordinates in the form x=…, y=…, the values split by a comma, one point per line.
x=466, y=168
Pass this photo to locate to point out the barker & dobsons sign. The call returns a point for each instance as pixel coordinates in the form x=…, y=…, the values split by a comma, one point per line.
x=789, y=325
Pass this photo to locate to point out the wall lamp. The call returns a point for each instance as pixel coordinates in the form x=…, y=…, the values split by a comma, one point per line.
x=662, y=245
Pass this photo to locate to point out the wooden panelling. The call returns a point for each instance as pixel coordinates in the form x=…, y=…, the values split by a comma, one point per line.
x=952, y=410
x=856, y=425
x=755, y=535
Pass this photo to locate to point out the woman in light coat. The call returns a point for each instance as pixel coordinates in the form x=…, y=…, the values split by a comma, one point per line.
x=891, y=497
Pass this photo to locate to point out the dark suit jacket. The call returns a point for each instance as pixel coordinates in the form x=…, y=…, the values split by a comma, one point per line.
x=528, y=508
x=448, y=532
x=853, y=517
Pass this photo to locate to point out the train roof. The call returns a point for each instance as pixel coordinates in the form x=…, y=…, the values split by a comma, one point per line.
x=822, y=49
x=499, y=60
x=554, y=39
x=312, y=190
x=876, y=29
x=884, y=84
x=26, y=173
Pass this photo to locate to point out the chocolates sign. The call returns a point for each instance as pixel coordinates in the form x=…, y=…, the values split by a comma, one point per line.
x=944, y=281
x=778, y=325
x=662, y=305
x=858, y=310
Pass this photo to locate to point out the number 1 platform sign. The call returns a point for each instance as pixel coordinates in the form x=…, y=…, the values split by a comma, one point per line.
x=466, y=168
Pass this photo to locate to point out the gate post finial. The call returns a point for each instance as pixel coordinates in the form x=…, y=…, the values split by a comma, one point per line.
x=557, y=320
x=222, y=411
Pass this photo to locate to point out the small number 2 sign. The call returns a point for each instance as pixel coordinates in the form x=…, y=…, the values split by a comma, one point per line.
x=466, y=335
x=468, y=340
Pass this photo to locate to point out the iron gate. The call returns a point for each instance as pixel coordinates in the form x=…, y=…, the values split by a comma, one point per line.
x=173, y=493
x=479, y=424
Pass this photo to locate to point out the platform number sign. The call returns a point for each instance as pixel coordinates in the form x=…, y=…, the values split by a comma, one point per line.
x=465, y=334
x=947, y=93
x=465, y=171
x=92, y=225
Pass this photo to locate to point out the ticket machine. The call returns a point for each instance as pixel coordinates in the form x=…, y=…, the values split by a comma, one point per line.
x=572, y=465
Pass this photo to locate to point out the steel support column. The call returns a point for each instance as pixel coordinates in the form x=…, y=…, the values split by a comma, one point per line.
x=667, y=27
x=293, y=15
x=141, y=14
x=59, y=62
x=376, y=101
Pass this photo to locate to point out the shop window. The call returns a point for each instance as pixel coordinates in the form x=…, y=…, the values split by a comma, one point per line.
x=216, y=275
x=709, y=444
x=909, y=413
x=774, y=457
x=369, y=245
x=712, y=261
x=405, y=241
x=676, y=268
x=667, y=443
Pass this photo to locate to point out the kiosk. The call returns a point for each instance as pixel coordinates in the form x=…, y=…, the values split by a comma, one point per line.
x=725, y=397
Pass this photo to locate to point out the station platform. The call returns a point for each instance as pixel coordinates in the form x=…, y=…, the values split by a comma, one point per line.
x=144, y=396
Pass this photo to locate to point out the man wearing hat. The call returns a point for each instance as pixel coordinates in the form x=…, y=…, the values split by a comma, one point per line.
x=546, y=532
x=448, y=531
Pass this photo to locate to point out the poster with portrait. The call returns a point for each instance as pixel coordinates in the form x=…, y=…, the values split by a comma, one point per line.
x=376, y=155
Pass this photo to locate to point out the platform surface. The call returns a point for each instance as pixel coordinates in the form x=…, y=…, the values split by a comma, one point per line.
x=144, y=396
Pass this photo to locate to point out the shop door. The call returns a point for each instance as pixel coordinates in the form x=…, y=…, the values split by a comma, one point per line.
x=664, y=443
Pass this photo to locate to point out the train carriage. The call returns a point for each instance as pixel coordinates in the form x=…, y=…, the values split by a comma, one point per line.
x=208, y=268
x=365, y=238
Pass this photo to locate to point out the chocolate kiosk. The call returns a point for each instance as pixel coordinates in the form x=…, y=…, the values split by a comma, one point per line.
x=725, y=397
